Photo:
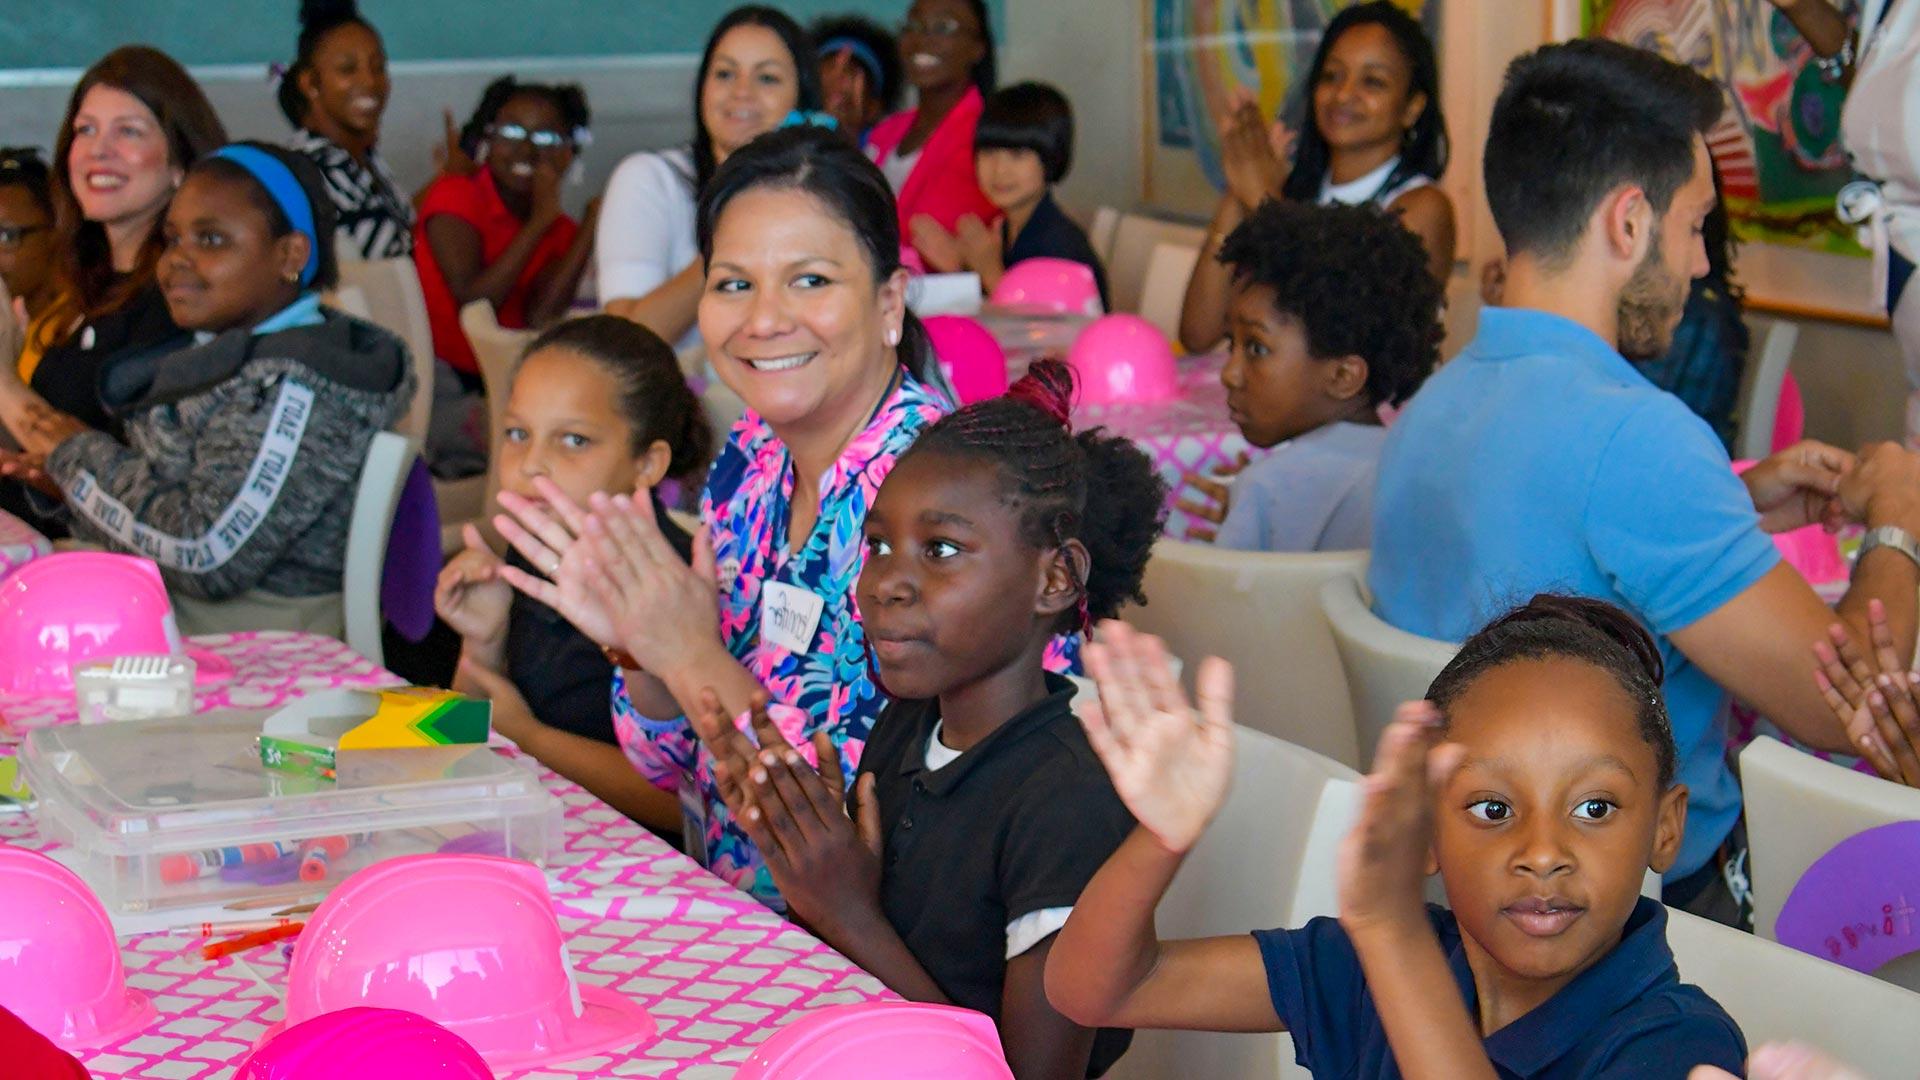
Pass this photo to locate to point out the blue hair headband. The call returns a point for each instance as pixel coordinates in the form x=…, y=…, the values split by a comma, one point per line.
x=285, y=188
x=861, y=53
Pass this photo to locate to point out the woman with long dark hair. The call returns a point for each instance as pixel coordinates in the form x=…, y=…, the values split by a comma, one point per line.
x=757, y=69
x=1373, y=133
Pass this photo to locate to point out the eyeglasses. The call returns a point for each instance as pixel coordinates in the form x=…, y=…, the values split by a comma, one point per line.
x=541, y=140
x=12, y=236
x=945, y=27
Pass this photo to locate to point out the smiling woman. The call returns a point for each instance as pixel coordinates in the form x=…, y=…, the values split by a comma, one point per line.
x=756, y=70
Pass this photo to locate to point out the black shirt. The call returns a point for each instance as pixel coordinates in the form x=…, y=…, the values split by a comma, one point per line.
x=1050, y=233
x=1017, y=824
x=566, y=679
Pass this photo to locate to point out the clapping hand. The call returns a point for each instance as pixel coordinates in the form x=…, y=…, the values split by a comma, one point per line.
x=1215, y=498
x=939, y=248
x=1253, y=153
x=1873, y=698
x=662, y=611
x=449, y=156
x=471, y=596
x=1383, y=859
x=547, y=535
x=1170, y=763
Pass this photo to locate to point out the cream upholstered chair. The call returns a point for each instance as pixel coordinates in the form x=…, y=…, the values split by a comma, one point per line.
x=497, y=349
x=1775, y=993
x=1293, y=807
x=1163, y=292
x=1385, y=666
x=1798, y=807
x=1106, y=221
x=1134, y=239
x=391, y=298
x=1260, y=611
x=389, y=458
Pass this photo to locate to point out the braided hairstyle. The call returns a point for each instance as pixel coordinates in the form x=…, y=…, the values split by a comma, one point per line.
x=1089, y=486
x=568, y=98
x=1577, y=628
x=318, y=18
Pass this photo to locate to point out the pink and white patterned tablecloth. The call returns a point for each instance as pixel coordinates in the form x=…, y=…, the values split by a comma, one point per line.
x=20, y=544
x=717, y=971
x=1191, y=434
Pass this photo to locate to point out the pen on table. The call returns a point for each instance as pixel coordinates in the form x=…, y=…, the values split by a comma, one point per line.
x=247, y=941
x=214, y=929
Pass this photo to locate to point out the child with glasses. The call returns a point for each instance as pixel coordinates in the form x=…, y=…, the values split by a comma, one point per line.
x=499, y=234
x=27, y=248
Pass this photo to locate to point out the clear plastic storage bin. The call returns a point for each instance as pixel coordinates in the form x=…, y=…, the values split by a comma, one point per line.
x=179, y=811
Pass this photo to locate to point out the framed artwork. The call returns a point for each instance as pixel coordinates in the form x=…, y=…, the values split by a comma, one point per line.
x=1777, y=145
x=1199, y=52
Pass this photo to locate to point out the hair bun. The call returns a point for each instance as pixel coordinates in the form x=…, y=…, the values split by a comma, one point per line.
x=327, y=12
x=1048, y=386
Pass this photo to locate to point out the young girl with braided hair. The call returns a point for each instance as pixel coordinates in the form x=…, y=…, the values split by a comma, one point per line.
x=981, y=810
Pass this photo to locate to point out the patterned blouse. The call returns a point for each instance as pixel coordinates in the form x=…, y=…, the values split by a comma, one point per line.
x=376, y=221
x=829, y=687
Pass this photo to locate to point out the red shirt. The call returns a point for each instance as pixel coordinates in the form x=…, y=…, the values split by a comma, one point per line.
x=29, y=1053
x=474, y=200
x=942, y=183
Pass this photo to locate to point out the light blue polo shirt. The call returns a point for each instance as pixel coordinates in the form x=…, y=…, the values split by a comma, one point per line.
x=1539, y=460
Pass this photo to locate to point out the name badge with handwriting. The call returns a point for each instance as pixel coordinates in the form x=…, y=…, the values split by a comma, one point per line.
x=789, y=616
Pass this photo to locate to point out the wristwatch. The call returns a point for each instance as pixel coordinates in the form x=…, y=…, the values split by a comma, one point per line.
x=1889, y=536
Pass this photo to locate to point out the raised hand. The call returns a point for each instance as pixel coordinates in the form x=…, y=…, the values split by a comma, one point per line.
x=938, y=247
x=546, y=535
x=1873, y=698
x=1170, y=763
x=448, y=155
x=732, y=750
x=1383, y=859
x=826, y=868
x=471, y=596
x=979, y=243
x=662, y=611
x=1254, y=173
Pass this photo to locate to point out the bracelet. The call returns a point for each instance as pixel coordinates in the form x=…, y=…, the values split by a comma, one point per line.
x=620, y=658
x=1833, y=67
x=1889, y=536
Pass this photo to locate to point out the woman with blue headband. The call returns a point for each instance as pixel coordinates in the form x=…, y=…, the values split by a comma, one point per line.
x=243, y=450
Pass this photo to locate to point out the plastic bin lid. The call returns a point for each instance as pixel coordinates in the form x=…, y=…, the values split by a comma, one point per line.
x=144, y=786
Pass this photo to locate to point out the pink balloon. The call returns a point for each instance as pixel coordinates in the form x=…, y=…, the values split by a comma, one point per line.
x=1123, y=360
x=1057, y=285
x=972, y=358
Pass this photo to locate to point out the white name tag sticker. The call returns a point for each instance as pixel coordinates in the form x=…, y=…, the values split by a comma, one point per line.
x=789, y=616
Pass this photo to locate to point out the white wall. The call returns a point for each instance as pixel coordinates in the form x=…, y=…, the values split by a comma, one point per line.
x=1092, y=50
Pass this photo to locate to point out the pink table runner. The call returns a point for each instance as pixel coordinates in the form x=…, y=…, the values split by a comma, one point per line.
x=20, y=544
x=716, y=970
x=1190, y=434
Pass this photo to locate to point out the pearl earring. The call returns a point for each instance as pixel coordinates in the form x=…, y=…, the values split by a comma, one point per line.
x=893, y=338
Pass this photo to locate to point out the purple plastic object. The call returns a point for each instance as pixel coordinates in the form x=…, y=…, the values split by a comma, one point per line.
x=1061, y=286
x=413, y=557
x=882, y=1040
x=59, y=961
x=485, y=842
x=1123, y=360
x=365, y=1044
x=467, y=941
x=975, y=363
x=74, y=606
x=1855, y=904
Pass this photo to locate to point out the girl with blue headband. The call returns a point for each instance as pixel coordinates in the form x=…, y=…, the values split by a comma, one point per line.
x=243, y=449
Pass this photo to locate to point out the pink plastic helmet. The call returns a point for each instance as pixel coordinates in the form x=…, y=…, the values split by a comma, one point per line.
x=1057, y=285
x=1123, y=360
x=76, y=606
x=59, y=962
x=365, y=1044
x=973, y=360
x=467, y=941
x=882, y=1040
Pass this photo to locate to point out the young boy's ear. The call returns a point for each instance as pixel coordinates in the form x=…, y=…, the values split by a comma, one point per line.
x=1064, y=579
x=1670, y=827
x=1345, y=377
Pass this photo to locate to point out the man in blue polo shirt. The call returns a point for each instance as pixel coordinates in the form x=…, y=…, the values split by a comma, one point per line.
x=1540, y=460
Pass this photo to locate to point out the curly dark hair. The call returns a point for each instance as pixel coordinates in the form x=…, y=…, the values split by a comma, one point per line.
x=654, y=396
x=1578, y=628
x=1355, y=278
x=1089, y=486
x=569, y=98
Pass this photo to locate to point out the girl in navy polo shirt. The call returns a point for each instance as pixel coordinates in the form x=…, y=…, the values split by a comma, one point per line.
x=982, y=810
x=1550, y=798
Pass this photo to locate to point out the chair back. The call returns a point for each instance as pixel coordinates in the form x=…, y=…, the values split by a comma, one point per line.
x=1775, y=993
x=497, y=349
x=1267, y=861
x=389, y=458
x=1260, y=611
x=1760, y=391
x=1385, y=666
x=1798, y=808
x=1163, y=292
x=392, y=299
x=1134, y=239
x=1106, y=221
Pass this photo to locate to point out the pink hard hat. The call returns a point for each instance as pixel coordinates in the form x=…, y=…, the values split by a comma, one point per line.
x=973, y=359
x=1123, y=360
x=1044, y=284
x=365, y=1044
x=467, y=941
x=882, y=1040
x=75, y=606
x=59, y=962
